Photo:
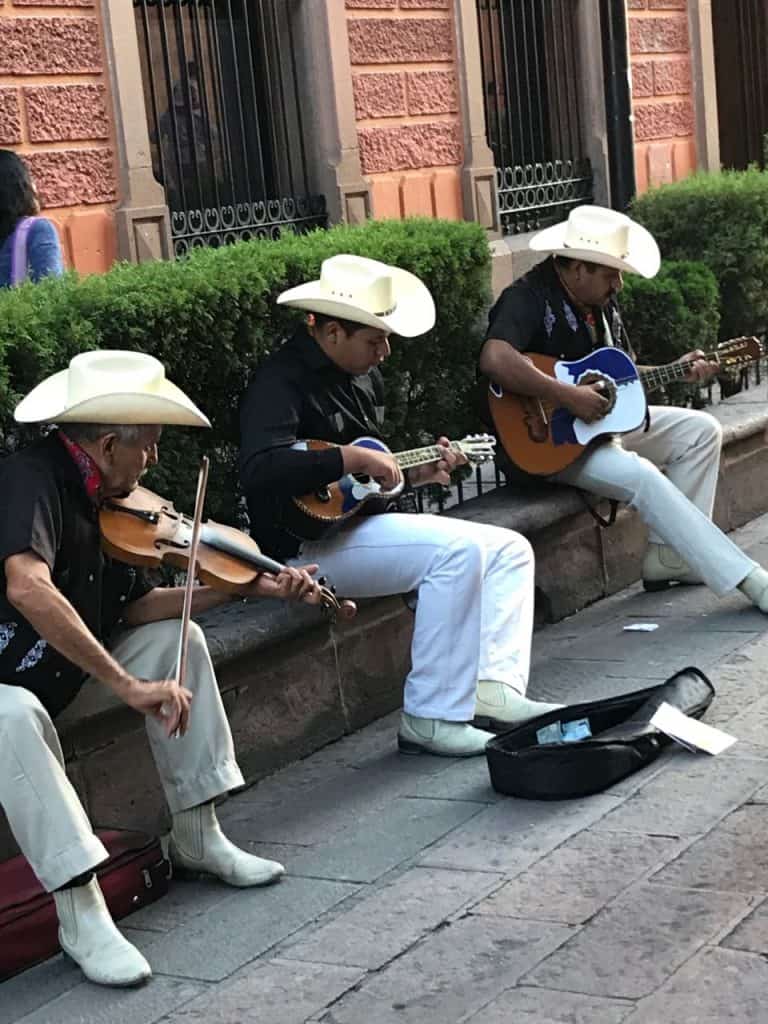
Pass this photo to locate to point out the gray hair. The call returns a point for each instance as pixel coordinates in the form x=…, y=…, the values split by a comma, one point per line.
x=128, y=433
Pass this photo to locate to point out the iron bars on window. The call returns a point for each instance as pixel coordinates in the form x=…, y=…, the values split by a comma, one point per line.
x=223, y=101
x=531, y=70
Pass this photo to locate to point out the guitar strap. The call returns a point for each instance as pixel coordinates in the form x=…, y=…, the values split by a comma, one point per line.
x=609, y=339
x=602, y=521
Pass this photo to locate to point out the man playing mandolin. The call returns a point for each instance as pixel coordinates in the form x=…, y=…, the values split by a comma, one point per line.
x=566, y=308
x=59, y=603
x=471, y=644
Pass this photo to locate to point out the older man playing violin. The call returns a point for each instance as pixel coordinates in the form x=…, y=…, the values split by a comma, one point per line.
x=61, y=601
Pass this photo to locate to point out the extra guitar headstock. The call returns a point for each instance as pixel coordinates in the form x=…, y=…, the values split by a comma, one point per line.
x=477, y=447
x=739, y=352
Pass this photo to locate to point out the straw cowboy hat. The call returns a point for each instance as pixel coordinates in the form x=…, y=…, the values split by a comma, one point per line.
x=367, y=292
x=601, y=236
x=110, y=387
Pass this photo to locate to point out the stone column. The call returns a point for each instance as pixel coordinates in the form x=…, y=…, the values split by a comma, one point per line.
x=333, y=155
x=662, y=105
x=143, y=223
x=704, y=84
x=592, y=98
x=479, y=171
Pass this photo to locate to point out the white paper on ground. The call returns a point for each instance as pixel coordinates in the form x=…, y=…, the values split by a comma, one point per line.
x=694, y=735
x=641, y=627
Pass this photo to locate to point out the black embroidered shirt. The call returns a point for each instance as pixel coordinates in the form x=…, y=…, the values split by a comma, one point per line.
x=535, y=314
x=297, y=394
x=44, y=508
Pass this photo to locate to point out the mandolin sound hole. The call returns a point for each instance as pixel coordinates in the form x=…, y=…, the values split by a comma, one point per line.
x=323, y=495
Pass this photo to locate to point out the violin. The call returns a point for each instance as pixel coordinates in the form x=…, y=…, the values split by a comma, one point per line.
x=144, y=529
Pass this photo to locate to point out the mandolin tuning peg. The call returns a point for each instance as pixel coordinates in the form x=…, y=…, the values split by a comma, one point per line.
x=322, y=580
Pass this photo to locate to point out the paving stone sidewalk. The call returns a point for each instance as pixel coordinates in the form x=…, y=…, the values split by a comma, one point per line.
x=417, y=895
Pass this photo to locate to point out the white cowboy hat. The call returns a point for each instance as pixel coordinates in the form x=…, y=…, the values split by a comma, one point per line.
x=367, y=292
x=602, y=236
x=110, y=387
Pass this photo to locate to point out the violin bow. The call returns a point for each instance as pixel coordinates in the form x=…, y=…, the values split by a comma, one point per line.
x=202, y=484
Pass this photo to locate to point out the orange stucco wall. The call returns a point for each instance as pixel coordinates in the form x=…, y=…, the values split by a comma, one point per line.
x=56, y=111
x=660, y=53
x=403, y=58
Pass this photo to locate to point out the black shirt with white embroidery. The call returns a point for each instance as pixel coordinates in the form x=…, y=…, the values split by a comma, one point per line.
x=44, y=508
x=536, y=315
x=299, y=394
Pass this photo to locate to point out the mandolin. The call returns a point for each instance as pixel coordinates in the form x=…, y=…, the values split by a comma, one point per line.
x=543, y=439
x=314, y=515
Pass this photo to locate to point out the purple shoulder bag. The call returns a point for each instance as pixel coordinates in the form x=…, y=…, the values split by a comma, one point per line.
x=19, y=249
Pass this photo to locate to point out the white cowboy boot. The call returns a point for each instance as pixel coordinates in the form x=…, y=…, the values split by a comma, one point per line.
x=502, y=704
x=196, y=843
x=434, y=736
x=662, y=566
x=755, y=587
x=89, y=936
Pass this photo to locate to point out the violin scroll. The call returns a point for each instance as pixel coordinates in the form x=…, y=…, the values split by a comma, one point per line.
x=332, y=606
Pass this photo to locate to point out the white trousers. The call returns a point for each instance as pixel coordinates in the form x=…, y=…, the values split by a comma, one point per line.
x=43, y=810
x=676, y=504
x=475, y=609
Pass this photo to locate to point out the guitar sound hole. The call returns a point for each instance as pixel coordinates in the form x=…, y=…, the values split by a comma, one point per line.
x=324, y=495
x=608, y=386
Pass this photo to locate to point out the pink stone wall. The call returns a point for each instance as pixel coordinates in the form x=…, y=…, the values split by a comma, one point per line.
x=403, y=58
x=665, y=127
x=55, y=111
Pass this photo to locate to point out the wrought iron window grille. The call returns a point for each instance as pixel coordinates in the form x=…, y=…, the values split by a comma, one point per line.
x=224, y=104
x=531, y=70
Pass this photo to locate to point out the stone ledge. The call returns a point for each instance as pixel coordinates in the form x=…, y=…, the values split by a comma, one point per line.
x=554, y=518
x=290, y=684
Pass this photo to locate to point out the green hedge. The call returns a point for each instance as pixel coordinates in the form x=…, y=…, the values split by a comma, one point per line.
x=210, y=318
x=674, y=312
x=721, y=220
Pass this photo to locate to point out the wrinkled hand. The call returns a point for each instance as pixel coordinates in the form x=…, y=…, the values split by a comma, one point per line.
x=700, y=370
x=438, y=472
x=586, y=402
x=165, y=701
x=293, y=584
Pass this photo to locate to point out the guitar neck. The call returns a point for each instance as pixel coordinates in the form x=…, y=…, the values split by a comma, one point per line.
x=656, y=376
x=423, y=456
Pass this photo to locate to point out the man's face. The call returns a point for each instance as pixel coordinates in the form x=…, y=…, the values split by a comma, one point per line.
x=595, y=286
x=358, y=352
x=122, y=463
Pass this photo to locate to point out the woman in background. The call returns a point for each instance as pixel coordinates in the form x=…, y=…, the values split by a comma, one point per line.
x=36, y=242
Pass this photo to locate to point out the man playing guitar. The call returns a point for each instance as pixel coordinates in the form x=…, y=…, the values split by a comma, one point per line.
x=471, y=644
x=566, y=308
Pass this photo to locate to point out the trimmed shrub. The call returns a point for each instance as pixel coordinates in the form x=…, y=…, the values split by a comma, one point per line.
x=210, y=318
x=674, y=312
x=720, y=220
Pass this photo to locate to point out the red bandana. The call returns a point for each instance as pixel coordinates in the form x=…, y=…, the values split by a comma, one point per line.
x=89, y=471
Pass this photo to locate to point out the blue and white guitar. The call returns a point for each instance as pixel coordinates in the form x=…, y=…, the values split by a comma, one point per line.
x=316, y=513
x=542, y=439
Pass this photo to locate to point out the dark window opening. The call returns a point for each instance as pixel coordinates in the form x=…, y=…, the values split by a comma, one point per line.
x=531, y=71
x=223, y=101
